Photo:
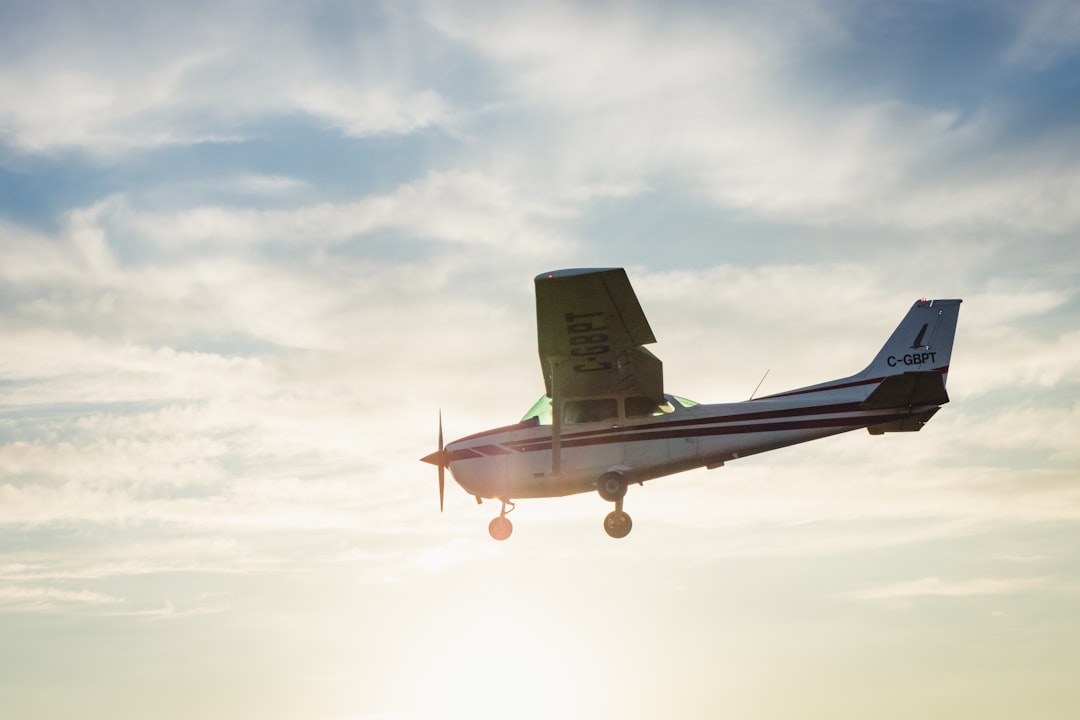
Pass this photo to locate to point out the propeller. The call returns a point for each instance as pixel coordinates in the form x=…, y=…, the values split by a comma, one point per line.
x=439, y=458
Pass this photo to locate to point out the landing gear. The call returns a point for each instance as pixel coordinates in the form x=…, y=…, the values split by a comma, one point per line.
x=617, y=524
x=612, y=487
x=501, y=527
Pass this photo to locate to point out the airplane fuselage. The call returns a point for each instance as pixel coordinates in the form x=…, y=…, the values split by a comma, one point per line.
x=515, y=461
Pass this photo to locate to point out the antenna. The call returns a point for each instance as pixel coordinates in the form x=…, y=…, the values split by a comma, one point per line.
x=759, y=384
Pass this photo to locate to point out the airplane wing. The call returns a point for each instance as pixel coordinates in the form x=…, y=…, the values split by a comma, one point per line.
x=591, y=330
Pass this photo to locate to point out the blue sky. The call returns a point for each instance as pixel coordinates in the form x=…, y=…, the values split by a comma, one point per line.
x=248, y=249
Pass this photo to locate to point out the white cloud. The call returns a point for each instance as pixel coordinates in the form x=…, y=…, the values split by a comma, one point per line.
x=936, y=587
x=48, y=598
x=359, y=349
x=227, y=370
x=202, y=72
x=586, y=102
x=1009, y=357
x=215, y=404
x=466, y=207
x=1021, y=429
x=1049, y=34
x=90, y=561
x=717, y=104
x=169, y=612
x=373, y=111
x=810, y=323
x=234, y=188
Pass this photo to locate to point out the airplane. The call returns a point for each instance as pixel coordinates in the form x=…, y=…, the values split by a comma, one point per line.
x=605, y=422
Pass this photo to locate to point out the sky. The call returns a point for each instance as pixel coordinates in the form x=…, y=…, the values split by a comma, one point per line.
x=249, y=249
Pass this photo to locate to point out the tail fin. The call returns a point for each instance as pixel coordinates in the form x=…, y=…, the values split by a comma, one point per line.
x=922, y=342
x=913, y=366
x=909, y=371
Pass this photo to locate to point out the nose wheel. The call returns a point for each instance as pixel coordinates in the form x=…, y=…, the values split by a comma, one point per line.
x=501, y=527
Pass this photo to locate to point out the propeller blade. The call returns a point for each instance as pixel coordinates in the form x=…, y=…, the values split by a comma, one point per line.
x=439, y=458
x=442, y=465
x=442, y=485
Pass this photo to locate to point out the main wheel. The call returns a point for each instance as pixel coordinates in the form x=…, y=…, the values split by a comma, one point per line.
x=611, y=486
x=617, y=524
x=500, y=528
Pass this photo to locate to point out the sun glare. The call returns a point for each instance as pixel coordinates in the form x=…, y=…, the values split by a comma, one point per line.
x=501, y=668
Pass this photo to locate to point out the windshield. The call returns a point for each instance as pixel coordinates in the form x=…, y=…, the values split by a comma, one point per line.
x=541, y=410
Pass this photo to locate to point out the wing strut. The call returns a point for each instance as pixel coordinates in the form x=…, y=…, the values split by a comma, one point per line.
x=556, y=419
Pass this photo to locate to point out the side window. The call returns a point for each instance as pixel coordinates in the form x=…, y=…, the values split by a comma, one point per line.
x=596, y=410
x=638, y=406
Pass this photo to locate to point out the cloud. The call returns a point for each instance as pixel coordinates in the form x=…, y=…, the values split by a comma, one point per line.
x=839, y=314
x=169, y=612
x=460, y=207
x=936, y=587
x=1049, y=34
x=714, y=102
x=150, y=556
x=719, y=105
x=249, y=248
x=855, y=480
x=166, y=379
x=50, y=599
x=320, y=336
x=17, y=598
x=1003, y=341
x=204, y=71
x=1022, y=430
x=267, y=363
x=212, y=276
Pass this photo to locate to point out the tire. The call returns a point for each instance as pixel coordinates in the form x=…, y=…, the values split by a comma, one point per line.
x=617, y=524
x=500, y=528
x=611, y=486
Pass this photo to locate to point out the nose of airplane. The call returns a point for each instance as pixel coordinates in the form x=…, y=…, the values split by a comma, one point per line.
x=436, y=458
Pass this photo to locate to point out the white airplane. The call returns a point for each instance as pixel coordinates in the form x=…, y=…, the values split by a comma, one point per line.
x=605, y=421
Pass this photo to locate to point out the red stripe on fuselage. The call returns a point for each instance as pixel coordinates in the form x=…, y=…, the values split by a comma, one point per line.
x=838, y=386
x=694, y=427
x=621, y=435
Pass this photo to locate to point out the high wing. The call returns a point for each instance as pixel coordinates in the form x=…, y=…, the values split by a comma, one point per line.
x=591, y=330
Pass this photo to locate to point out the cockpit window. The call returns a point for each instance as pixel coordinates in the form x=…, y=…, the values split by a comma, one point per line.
x=599, y=409
x=593, y=410
x=575, y=411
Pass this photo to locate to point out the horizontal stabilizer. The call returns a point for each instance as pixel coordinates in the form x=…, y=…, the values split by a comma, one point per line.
x=912, y=389
x=911, y=423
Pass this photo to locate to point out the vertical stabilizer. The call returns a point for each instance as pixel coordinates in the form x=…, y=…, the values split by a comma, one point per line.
x=922, y=342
